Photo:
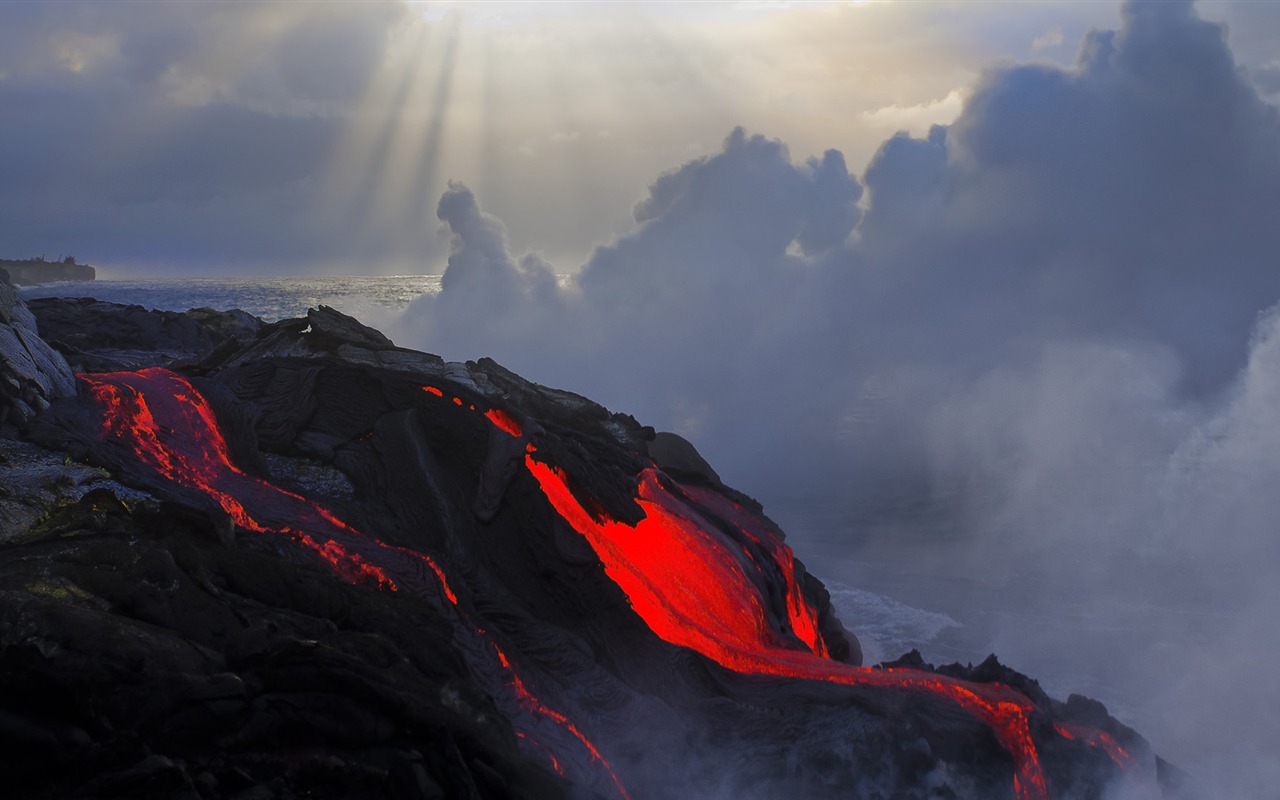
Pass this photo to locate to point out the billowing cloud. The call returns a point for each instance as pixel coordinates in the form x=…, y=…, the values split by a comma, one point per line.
x=1130, y=196
x=1050, y=328
x=667, y=315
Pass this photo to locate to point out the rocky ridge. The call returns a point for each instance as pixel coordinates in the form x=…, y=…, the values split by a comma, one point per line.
x=376, y=596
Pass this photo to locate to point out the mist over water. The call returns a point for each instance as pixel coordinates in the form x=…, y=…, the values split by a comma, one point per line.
x=1022, y=372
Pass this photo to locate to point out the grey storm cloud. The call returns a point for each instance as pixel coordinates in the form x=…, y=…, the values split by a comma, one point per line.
x=1051, y=321
x=1131, y=196
x=174, y=132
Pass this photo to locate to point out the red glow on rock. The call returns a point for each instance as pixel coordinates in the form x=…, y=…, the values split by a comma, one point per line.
x=1096, y=738
x=505, y=422
x=551, y=757
x=693, y=589
x=170, y=427
x=803, y=617
x=440, y=577
x=202, y=460
x=690, y=586
x=533, y=704
x=347, y=564
x=693, y=585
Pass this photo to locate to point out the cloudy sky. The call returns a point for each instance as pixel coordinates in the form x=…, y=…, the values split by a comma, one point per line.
x=994, y=283
x=154, y=138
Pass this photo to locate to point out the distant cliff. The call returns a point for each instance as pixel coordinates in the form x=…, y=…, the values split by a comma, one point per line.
x=33, y=271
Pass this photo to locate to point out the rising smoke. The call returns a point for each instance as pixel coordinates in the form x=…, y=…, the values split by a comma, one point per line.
x=1049, y=319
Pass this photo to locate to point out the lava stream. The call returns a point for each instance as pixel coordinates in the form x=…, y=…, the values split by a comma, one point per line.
x=169, y=426
x=1096, y=738
x=803, y=618
x=691, y=589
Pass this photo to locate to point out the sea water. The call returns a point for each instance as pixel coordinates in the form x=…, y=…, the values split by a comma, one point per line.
x=270, y=299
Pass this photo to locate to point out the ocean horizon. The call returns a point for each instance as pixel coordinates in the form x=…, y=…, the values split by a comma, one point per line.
x=368, y=298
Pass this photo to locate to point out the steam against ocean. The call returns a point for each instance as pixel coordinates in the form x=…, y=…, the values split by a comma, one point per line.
x=887, y=627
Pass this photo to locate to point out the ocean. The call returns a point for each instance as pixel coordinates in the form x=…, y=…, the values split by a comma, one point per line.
x=271, y=299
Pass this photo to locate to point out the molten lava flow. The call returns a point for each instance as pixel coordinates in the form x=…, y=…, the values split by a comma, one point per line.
x=692, y=589
x=505, y=422
x=1096, y=738
x=348, y=565
x=692, y=585
x=803, y=617
x=532, y=703
x=170, y=427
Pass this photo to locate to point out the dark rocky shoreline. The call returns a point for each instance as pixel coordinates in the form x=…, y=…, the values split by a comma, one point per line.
x=157, y=642
x=37, y=271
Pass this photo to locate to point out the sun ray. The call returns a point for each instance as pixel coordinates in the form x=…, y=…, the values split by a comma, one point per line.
x=352, y=180
x=422, y=177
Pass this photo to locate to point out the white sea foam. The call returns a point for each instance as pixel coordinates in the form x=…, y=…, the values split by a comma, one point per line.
x=886, y=627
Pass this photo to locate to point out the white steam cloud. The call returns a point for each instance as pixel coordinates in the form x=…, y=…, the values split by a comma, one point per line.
x=1051, y=324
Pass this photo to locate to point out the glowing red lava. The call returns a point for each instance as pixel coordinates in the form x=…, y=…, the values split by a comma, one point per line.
x=505, y=422
x=1096, y=738
x=691, y=584
x=170, y=427
x=532, y=703
x=694, y=590
x=803, y=617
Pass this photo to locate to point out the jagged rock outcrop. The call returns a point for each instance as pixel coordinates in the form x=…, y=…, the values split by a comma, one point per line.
x=98, y=336
x=359, y=570
x=36, y=480
x=31, y=372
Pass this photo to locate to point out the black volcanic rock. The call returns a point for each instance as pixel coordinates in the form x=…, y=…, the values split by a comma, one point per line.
x=358, y=570
x=31, y=373
x=99, y=336
x=139, y=657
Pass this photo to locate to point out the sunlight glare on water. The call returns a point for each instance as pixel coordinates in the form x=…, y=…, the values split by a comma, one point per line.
x=271, y=299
